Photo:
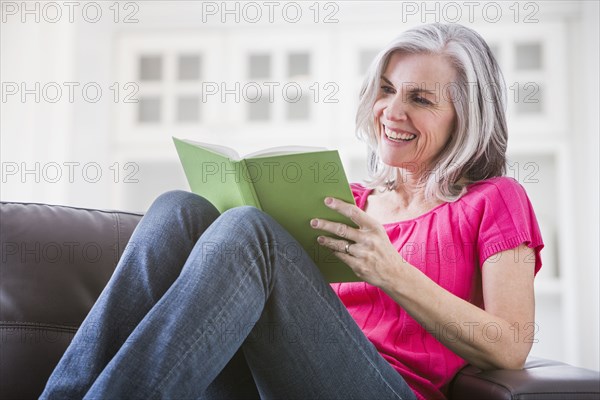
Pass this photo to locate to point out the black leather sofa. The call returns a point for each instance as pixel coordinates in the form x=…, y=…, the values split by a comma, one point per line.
x=56, y=260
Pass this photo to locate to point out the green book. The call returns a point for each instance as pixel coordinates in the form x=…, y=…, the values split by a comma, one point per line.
x=288, y=183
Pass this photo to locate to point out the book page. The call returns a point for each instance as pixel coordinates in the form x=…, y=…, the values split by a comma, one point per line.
x=282, y=150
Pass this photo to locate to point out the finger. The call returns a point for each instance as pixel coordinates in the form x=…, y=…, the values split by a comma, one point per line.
x=347, y=259
x=337, y=228
x=358, y=216
x=337, y=245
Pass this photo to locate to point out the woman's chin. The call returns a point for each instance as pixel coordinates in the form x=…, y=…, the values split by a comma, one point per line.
x=407, y=165
x=394, y=161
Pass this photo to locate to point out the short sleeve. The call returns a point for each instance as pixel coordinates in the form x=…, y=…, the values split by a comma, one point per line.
x=507, y=220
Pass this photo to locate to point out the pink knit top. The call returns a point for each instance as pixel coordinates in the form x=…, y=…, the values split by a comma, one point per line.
x=449, y=244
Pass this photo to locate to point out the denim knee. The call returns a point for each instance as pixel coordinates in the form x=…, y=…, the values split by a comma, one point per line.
x=187, y=210
x=248, y=224
x=259, y=229
x=180, y=200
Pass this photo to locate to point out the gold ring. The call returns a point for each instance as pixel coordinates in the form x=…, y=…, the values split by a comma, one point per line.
x=347, y=248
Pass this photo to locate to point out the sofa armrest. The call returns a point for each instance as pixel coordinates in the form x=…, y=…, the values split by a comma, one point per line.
x=539, y=379
x=55, y=262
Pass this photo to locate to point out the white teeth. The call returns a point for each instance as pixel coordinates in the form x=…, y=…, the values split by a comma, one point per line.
x=395, y=135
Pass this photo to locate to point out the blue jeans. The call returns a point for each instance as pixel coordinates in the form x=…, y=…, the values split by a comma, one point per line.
x=215, y=306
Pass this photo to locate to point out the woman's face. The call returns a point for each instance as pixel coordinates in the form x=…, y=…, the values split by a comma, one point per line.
x=413, y=112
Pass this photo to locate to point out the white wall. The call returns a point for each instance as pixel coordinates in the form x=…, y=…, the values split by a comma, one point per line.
x=586, y=128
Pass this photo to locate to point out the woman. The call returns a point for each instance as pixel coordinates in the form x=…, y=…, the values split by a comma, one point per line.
x=211, y=306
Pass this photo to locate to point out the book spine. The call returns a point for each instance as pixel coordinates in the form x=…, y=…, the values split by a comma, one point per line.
x=247, y=190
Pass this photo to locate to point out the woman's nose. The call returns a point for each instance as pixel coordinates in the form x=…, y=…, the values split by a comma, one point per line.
x=396, y=108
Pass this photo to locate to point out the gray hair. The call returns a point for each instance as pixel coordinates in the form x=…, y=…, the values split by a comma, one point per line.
x=476, y=149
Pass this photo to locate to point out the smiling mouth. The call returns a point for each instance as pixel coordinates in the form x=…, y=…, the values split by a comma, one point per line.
x=397, y=136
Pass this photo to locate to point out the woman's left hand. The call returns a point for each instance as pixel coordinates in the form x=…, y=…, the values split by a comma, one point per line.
x=367, y=250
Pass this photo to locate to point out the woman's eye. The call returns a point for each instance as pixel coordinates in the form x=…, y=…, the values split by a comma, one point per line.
x=421, y=100
x=387, y=90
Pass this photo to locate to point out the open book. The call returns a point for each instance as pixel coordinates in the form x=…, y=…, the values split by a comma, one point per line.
x=288, y=183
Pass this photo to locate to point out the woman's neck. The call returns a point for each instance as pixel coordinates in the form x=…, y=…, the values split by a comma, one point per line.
x=409, y=192
x=403, y=200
